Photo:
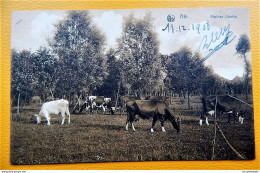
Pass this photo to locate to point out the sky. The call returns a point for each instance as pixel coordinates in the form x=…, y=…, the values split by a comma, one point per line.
x=203, y=30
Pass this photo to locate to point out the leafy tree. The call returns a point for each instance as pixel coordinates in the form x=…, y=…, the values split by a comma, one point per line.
x=79, y=46
x=111, y=84
x=139, y=55
x=243, y=46
x=185, y=72
x=212, y=83
x=22, y=76
x=45, y=66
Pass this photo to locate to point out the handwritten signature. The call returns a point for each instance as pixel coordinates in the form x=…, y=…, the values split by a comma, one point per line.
x=214, y=37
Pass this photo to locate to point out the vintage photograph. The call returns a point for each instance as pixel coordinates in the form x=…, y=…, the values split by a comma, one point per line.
x=131, y=85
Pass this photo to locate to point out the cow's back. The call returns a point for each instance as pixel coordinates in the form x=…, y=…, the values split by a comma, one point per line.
x=125, y=99
x=54, y=107
x=99, y=100
x=151, y=106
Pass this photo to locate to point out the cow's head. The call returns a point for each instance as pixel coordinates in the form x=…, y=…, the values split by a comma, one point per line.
x=38, y=118
x=178, y=122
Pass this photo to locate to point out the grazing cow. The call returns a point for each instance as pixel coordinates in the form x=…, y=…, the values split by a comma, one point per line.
x=54, y=107
x=231, y=115
x=124, y=100
x=97, y=104
x=80, y=105
x=108, y=105
x=241, y=116
x=147, y=109
x=205, y=113
x=211, y=113
x=226, y=105
x=241, y=119
x=91, y=100
x=85, y=106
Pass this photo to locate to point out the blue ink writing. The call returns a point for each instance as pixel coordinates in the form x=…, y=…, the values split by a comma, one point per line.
x=215, y=36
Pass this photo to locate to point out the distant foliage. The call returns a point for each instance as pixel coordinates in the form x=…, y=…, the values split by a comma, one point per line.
x=185, y=72
x=23, y=74
x=139, y=55
x=76, y=63
x=80, y=47
x=243, y=45
x=45, y=69
x=112, y=82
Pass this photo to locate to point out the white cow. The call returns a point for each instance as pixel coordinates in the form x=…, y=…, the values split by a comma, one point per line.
x=54, y=107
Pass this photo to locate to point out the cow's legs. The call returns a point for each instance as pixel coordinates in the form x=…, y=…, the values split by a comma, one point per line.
x=229, y=117
x=234, y=118
x=154, y=121
x=48, y=118
x=207, y=120
x=132, y=124
x=103, y=109
x=242, y=120
x=68, y=113
x=162, y=124
x=127, y=121
x=201, y=117
x=133, y=127
x=130, y=119
x=126, y=126
x=200, y=122
x=63, y=118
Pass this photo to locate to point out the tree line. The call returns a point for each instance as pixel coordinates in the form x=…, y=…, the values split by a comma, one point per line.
x=76, y=64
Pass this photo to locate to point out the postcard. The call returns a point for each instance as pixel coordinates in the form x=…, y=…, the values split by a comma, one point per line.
x=131, y=85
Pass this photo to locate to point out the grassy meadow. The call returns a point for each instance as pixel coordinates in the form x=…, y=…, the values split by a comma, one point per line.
x=103, y=138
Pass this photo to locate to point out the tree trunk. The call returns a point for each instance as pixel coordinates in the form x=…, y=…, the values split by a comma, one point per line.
x=51, y=95
x=188, y=100
x=183, y=94
x=12, y=100
x=117, y=94
x=18, y=100
x=215, y=131
x=246, y=75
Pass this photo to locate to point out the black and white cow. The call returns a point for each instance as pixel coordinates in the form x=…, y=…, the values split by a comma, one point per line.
x=108, y=105
x=226, y=105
